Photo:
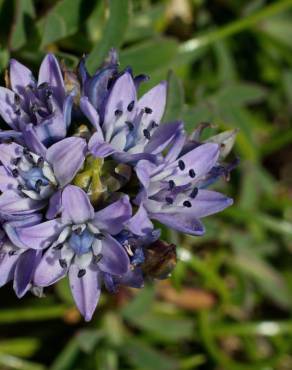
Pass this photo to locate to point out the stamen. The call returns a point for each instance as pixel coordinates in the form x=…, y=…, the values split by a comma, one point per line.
x=169, y=200
x=43, y=85
x=49, y=93
x=19, y=187
x=16, y=99
x=147, y=134
x=12, y=253
x=97, y=258
x=130, y=125
x=78, y=231
x=15, y=161
x=171, y=184
x=81, y=273
x=181, y=165
x=118, y=112
x=192, y=173
x=58, y=247
x=40, y=162
x=194, y=193
x=131, y=106
x=153, y=124
x=187, y=204
x=15, y=172
x=17, y=112
x=38, y=185
x=25, y=150
x=99, y=236
x=63, y=263
x=148, y=110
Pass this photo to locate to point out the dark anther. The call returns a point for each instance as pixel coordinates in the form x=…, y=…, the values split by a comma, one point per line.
x=15, y=161
x=99, y=236
x=19, y=187
x=97, y=258
x=171, y=184
x=15, y=172
x=43, y=85
x=78, y=231
x=192, y=173
x=12, y=253
x=58, y=247
x=25, y=150
x=110, y=83
x=34, y=108
x=38, y=185
x=29, y=87
x=17, y=112
x=154, y=124
x=49, y=93
x=194, y=193
x=63, y=263
x=130, y=125
x=147, y=134
x=118, y=112
x=131, y=106
x=40, y=161
x=16, y=99
x=181, y=165
x=148, y=110
x=187, y=204
x=29, y=157
x=169, y=200
x=81, y=273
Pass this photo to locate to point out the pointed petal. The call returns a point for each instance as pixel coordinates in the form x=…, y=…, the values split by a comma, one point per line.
x=7, y=182
x=180, y=222
x=49, y=269
x=33, y=141
x=13, y=203
x=163, y=136
x=6, y=107
x=85, y=290
x=113, y=217
x=140, y=223
x=38, y=236
x=7, y=267
x=67, y=109
x=52, y=129
x=50, y=72
x=76, y=206
x=92, y=115
x=20, y=77
x=24, y=271
x=8, y=152
x=98, y=147
x=67, y=157
x=54, y=205
x=114, y=257
x=155, y=99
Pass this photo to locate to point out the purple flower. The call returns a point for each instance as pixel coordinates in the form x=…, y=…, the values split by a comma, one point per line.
x=17, y=264
x=28, y=180
x=126, y=127
x=81, y=244
x=37, y=108
x=173, y=192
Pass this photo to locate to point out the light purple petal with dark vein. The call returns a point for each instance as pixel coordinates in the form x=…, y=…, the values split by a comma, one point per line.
x=7, y=267
x=49, y=269
x=22, y=221
x=67, y=157
x=121, y=95
x=67, y=109
x=50, y=72
x=20, y=77
x=11, y=202
x=37, y=236
x=7, y=182
x=85, y=290
x=6, y=107
x=24, y=271
x=11, y=134
x=92, y=115
x=8, y=152
x=52, y=129
x=156, y=100
x=140, y=223
x=55, y=205
x=98, y=148
x=124, y=157
x=33, y=141
x=76, y=206
x=163, y=136
x=112, y=218
x=180, y=222
x=114, y=257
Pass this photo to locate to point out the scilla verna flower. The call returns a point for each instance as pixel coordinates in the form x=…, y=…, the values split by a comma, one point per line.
x=79, y=192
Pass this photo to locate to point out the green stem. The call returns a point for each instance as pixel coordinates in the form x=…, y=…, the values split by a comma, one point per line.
x=192, y=45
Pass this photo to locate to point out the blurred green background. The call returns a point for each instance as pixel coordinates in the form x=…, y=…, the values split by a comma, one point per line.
x=228, y=303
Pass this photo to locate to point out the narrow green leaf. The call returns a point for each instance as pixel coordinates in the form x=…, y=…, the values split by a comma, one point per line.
x=62, y=21
x=113, y=33
x=175, y=98
x=24, y=15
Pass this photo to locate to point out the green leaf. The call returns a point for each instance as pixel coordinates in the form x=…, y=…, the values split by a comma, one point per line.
x=175, y=98
x=145, y=58
x=24, y=15
x=144, y=357
x=24, y=347
x=241, y=94
x=62, y=21
x=113, y=33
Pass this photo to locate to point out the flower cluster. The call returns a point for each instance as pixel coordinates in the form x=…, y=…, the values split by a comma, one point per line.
x=86, y=166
